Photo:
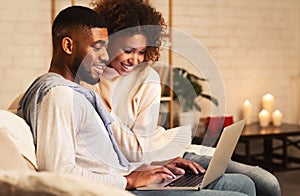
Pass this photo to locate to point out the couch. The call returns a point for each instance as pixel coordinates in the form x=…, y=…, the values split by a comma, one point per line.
x=18, y=174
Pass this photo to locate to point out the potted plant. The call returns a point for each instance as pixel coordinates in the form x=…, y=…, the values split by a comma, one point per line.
x=187, y=87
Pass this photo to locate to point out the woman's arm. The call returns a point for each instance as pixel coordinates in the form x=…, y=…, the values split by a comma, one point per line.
x=135, y=126
x=135, y=133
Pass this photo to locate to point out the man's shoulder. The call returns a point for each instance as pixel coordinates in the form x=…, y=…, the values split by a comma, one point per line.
x=66, y=99
x=63, y=94
x=60, y=90
x=58, y=95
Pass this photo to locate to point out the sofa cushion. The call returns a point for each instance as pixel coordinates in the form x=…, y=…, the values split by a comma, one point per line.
x=16, y=129
x=45, y=183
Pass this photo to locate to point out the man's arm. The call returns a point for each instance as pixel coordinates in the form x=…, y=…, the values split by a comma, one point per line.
x=57, y=127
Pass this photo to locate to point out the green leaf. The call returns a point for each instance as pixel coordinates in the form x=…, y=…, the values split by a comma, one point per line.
x=183, y=82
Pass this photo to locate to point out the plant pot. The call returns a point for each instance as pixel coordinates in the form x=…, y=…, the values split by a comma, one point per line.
x=190, y=118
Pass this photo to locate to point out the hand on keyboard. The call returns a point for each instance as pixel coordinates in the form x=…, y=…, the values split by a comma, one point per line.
x=189, y=179
x=178, y=165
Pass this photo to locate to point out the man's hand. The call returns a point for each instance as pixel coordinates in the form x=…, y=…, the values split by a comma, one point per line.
x=178, y=165
x=145, y=175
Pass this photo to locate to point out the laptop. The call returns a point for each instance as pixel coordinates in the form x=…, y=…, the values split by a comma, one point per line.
x=216, y=168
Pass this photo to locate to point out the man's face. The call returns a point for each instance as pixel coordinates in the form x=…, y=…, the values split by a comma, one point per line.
x=91, y=55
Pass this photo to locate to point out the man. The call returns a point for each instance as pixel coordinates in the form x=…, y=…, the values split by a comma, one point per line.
x=70, y=124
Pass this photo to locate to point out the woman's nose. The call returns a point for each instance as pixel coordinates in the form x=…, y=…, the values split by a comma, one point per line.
x=134, y=59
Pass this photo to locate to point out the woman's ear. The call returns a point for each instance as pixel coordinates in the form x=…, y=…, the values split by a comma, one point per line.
x=67, y=45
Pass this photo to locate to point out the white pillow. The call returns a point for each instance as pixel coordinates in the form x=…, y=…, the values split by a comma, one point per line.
x=19, y=133
x=45, y=183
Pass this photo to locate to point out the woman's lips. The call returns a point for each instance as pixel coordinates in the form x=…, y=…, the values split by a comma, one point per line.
x=128, y=68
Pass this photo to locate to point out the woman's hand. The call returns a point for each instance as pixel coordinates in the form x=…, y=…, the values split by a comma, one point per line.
x=178, y=165
x=145, y=175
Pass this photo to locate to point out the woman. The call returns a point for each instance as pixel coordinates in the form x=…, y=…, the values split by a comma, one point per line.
x=131, y=90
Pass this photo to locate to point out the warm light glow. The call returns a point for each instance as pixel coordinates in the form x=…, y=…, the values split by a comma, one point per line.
x=264, y=112
x=268, y=102
x=264, y=118
x=277, y=112
x=277, y=118
x=246, y=109
x=247, y=102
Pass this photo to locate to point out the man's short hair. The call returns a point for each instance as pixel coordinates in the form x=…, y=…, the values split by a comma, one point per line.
x=74, y=20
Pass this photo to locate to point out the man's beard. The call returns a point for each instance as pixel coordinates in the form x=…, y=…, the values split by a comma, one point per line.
x=85, y=76
x=82, y=74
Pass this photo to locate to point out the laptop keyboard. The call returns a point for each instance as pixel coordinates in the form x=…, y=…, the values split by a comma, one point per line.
x=189, y=179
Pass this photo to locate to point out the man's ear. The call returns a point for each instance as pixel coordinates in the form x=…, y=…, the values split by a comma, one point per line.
x=67, y=45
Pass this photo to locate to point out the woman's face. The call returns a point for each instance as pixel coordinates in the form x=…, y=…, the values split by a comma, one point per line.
x=126, y=52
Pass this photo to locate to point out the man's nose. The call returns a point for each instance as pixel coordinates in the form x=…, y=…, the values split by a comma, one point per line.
x=104, y=55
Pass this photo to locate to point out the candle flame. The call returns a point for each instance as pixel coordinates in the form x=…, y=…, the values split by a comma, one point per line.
x=247, y=102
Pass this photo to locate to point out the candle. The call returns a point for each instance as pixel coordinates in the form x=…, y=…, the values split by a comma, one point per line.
x=277, y=118
x=264, y=118
x=268, y=102
x=246, y=109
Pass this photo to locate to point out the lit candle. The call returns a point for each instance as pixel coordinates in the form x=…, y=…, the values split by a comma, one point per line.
x=264, y=118
x=277, y=118
x=268, y=102
x=246, y=109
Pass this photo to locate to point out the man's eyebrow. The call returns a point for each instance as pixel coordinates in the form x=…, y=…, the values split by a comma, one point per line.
x=101, y=42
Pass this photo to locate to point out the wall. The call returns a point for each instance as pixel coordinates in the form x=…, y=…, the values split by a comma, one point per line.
x=25, y=44
x=254, y=43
